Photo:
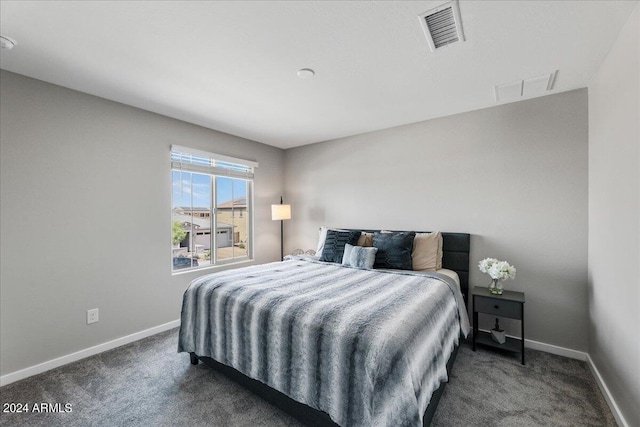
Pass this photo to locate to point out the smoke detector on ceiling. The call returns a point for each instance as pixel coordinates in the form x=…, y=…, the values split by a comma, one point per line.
x=7, y=43
x=306, y=73
x=442, y=25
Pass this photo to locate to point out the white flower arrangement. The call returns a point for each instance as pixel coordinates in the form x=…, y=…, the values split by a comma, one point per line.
x=498, y=270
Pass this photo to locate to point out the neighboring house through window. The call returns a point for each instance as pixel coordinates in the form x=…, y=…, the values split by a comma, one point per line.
x=211, y=209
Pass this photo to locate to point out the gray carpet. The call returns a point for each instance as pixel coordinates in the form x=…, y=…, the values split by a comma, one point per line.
x=147, y=383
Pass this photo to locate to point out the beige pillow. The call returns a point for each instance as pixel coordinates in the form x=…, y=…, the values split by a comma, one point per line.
x=439, y=260
x=427, y=251
x=365, y=239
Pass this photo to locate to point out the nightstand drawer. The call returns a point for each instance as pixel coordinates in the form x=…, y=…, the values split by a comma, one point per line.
x=498, y=307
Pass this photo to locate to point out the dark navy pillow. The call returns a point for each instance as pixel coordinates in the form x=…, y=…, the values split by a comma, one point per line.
x=334, y=244
x=394, y=250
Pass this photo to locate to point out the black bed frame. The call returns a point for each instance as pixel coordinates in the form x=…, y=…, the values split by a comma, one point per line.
x=455, y=257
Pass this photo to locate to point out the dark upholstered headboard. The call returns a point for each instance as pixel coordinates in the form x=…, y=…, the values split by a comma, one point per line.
x=455, y=255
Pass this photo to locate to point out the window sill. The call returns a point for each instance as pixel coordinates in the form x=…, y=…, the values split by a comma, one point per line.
x=215, y=268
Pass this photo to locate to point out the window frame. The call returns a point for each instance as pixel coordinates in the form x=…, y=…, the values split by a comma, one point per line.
x=220, y=167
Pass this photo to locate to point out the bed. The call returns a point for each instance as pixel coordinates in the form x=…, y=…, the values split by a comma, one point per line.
x=332, y=344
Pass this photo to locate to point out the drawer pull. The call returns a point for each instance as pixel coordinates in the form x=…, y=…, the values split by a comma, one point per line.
x=496, y=306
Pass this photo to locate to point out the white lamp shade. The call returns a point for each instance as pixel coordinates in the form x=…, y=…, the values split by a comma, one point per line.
x=280, y=212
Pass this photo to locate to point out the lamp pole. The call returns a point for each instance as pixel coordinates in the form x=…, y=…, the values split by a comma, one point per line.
x=281, y=236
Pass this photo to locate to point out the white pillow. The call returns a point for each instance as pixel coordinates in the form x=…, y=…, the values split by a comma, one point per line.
x=427, y=251
x=321, y=239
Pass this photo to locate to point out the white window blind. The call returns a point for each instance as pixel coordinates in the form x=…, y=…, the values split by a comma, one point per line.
x=192, y=160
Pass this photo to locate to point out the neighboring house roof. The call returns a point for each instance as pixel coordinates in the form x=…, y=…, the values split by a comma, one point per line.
x=189, y=208
x=200, y=223
x=237, y=203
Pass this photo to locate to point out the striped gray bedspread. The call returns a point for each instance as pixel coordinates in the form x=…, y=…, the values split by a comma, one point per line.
x=367, y=347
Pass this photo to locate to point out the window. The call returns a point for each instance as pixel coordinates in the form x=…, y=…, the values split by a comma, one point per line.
x=211, y=209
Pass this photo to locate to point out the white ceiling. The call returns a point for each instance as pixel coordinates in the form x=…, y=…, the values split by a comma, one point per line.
x=232, y=66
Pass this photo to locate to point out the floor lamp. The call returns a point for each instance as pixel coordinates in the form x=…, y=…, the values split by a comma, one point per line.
x=281, y=212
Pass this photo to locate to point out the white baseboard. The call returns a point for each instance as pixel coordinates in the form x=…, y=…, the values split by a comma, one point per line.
x=554, y=349
x=622, y=422
x=100, y=348
x=550, y=348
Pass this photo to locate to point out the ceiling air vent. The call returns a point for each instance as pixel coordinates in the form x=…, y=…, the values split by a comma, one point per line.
x=442, y=25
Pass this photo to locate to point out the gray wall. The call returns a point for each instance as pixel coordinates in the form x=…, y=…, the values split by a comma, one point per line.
x=514, y=176
x=614, y=220
x=85, y=217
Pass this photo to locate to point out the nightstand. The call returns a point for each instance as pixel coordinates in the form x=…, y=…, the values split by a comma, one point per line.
x=510, y=304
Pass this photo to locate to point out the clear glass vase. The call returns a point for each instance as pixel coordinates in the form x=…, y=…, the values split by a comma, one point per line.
x=495, y=287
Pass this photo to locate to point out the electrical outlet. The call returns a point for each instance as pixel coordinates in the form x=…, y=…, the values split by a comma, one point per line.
x=92, y=316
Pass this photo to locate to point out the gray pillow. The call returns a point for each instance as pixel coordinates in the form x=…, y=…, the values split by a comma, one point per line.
x=359, y=257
